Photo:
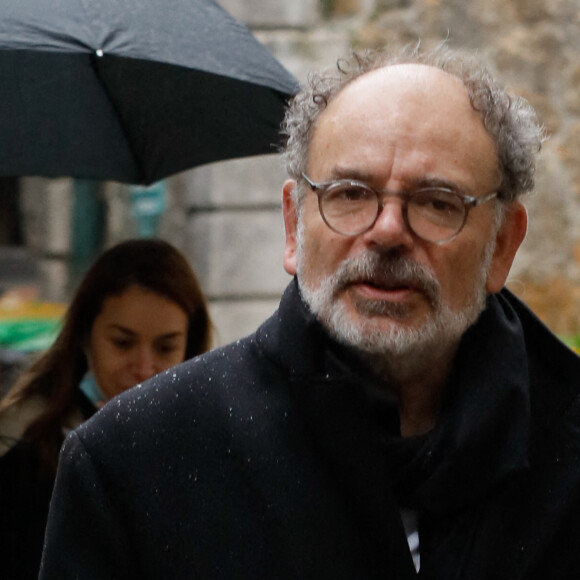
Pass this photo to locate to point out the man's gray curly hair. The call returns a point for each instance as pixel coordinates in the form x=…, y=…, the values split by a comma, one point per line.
x=510, y=121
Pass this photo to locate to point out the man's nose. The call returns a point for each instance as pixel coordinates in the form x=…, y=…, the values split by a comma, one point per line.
x=390, y=229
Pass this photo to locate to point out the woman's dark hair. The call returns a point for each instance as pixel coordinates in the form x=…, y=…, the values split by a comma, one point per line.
x=151, y=264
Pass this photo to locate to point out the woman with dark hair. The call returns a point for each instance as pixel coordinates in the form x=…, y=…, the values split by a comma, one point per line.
x=138, y=311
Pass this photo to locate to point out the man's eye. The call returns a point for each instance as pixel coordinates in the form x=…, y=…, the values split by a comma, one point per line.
x=440, y=203
x=348, y=194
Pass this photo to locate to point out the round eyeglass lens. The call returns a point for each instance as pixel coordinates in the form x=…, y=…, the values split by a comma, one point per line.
x=349, y=208
x=435, y=215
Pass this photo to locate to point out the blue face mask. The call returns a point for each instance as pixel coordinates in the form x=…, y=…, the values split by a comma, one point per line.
x=89, y=387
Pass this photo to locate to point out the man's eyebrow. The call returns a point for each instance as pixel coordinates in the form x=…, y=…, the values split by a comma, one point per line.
x=432, y=181
x=350, y=173
x=421, y=182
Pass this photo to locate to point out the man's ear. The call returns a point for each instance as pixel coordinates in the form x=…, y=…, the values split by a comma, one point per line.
x=509, y=238
x=291, y=225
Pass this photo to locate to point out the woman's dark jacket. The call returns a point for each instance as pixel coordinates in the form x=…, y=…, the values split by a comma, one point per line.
x=25, y=491
x=278, y=457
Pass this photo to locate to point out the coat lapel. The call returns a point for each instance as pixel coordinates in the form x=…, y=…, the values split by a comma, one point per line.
x=349, y=443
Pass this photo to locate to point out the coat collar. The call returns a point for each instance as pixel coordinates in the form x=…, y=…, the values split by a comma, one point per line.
x=295, y=339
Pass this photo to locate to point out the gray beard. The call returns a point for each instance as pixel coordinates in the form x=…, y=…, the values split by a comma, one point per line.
x=398, y=350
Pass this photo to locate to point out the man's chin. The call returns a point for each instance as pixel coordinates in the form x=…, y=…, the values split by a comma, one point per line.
x=380, y=328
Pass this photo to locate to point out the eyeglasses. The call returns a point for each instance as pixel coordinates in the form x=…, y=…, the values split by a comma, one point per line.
x=434, y=214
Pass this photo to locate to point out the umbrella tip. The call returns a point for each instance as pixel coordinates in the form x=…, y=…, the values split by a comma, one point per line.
x=99, y=52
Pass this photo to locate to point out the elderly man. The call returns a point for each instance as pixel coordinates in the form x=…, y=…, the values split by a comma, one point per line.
x=400, y=412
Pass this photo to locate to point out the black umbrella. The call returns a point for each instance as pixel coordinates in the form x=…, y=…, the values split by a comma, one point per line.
x=132, y=90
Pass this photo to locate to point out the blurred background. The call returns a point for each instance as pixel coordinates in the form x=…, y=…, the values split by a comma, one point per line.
x=226, y=217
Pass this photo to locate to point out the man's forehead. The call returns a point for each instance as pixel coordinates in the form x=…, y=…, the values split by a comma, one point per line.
x=415, y=115
x=403, y=93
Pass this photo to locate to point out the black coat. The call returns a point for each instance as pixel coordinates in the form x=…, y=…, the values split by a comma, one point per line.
x=277, y=458
x=25, y=490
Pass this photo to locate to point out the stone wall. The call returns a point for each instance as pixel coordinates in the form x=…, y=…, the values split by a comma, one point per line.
x=227, y=217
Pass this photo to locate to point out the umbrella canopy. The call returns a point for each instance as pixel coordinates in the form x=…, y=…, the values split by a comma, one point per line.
x=132, y=90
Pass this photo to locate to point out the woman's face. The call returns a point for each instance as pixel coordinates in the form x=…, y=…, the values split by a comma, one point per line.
x=136, y=335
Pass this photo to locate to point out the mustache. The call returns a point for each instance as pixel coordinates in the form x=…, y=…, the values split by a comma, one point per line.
x=387, y=271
